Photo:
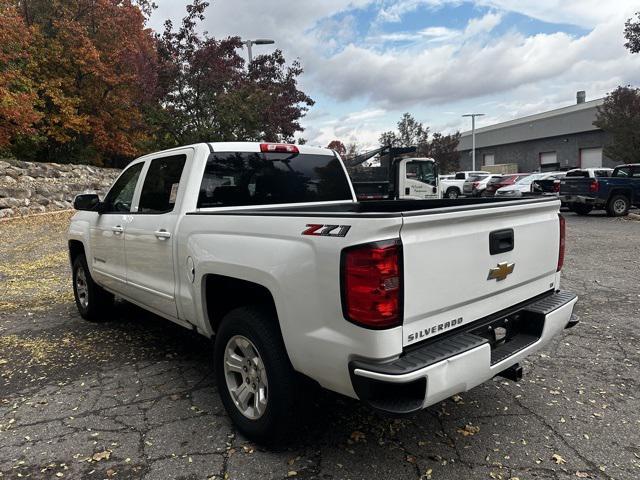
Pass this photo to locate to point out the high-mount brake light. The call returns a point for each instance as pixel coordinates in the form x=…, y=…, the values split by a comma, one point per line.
x=372, y=284
x=562, y=243
x=278, y=148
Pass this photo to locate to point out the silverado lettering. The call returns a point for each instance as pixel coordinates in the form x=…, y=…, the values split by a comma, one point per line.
x=441, y=327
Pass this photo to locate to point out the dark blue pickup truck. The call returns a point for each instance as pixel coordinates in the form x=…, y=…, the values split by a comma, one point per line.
x=616, y=194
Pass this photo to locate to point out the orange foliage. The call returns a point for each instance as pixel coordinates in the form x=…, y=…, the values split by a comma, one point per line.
x=18, y=97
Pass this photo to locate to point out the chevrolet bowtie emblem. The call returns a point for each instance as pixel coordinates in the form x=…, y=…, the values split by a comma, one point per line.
x=501, y=271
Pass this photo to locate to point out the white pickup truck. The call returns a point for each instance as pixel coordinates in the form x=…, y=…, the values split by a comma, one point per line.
x=264, y=248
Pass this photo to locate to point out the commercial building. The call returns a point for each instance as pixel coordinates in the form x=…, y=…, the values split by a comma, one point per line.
x=559, y=139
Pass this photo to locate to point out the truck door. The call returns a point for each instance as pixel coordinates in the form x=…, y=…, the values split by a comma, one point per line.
x=420, y=179
x=149, y=238
x=107, y=235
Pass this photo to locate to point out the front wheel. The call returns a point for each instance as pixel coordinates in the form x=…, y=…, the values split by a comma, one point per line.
x=618, y=206
x=256, y=381
x=92, y=300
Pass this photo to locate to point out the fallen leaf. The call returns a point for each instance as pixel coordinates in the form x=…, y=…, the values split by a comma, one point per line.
x=96, y=457
x=558, y=459
x=582, y=475
x=468, y=430
x=292, y=473
x=357, y=436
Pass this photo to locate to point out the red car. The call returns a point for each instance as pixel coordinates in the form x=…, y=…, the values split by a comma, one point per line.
x=505, y=180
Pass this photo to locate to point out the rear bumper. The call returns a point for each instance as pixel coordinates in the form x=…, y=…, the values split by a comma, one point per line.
x=436, y=370
x=581, y=199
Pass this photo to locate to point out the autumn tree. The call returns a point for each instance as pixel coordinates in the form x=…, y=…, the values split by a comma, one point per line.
x=444, y=150
x=210, y=95
x=338, y=146
x=619, y=115
x=632, y=33
x=18, y=95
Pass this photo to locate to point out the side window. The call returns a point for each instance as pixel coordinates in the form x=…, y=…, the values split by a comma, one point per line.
x=635, y=172
x=121, y=194
x=160, y=188
x=622, y=172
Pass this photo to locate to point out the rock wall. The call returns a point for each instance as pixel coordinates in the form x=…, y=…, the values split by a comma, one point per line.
x=27, y=187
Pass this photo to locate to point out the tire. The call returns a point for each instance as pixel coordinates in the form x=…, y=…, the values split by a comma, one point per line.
x=581, y=208
x=452, y=193
x=618, y=206
x=244, y=333
x=93, y=301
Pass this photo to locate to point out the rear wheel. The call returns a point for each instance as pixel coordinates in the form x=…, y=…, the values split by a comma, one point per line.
x=618, y=206
x=256, y=381
x=452, y=193
x=581, y=208
x=92, y=300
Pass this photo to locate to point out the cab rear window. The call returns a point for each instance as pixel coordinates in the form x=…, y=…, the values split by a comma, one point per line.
x=242, y=178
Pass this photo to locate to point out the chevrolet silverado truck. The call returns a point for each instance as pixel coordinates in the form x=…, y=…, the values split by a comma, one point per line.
x=616, y=193
x=264, y=248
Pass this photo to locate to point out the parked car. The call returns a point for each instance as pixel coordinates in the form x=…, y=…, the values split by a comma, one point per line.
x=521, y=187
x=590, y=172
x=616, y=194
x=453, y=188
x=504, y=181
x=549, y=185
x=265, y=249
x=475, y=185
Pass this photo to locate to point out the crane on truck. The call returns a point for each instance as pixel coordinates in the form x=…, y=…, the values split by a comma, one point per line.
x=403, y=177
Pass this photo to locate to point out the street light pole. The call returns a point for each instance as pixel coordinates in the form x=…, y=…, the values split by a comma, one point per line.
x=473, y=136
x=259, y=41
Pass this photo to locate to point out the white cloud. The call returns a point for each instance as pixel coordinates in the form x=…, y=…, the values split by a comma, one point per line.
x=437, y=72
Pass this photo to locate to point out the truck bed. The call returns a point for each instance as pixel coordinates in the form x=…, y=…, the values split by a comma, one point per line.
x=378, y=209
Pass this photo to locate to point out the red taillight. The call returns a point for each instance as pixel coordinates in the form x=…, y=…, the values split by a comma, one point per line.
x=372, y=284
x=562, y=243
x=594, y=186
x=475, y=184
x=278, y=148
x=556, y=186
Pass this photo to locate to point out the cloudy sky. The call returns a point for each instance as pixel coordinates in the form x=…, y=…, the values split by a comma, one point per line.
x=367, y=61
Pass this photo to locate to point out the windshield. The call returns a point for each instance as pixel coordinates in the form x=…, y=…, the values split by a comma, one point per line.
x=422, y=171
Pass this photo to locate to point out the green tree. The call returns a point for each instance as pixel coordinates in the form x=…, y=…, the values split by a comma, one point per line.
x=410, y=133
x=619, y=115
x=442, y=148
x=632, y=34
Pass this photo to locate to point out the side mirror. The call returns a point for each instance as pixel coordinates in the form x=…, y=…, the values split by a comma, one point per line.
x=86, y=201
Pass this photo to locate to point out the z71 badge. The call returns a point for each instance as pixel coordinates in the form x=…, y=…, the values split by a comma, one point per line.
x=326, y=230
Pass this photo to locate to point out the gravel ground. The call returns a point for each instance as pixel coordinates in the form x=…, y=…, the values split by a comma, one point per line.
x=135, y=397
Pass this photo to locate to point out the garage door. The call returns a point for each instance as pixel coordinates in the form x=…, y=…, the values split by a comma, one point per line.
x=489, y=159
x=547, y=158
x=590, y=157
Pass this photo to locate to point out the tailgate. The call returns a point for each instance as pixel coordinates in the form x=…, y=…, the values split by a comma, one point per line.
x=448, y=262
x=575, y=186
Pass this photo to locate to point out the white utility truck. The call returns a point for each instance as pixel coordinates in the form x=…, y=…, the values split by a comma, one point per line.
x=264, y=248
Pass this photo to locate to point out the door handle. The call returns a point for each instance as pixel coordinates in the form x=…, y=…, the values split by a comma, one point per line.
x=162, y=234
x=117, y=230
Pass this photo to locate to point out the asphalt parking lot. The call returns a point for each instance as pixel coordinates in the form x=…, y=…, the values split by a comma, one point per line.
x=135, y=397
